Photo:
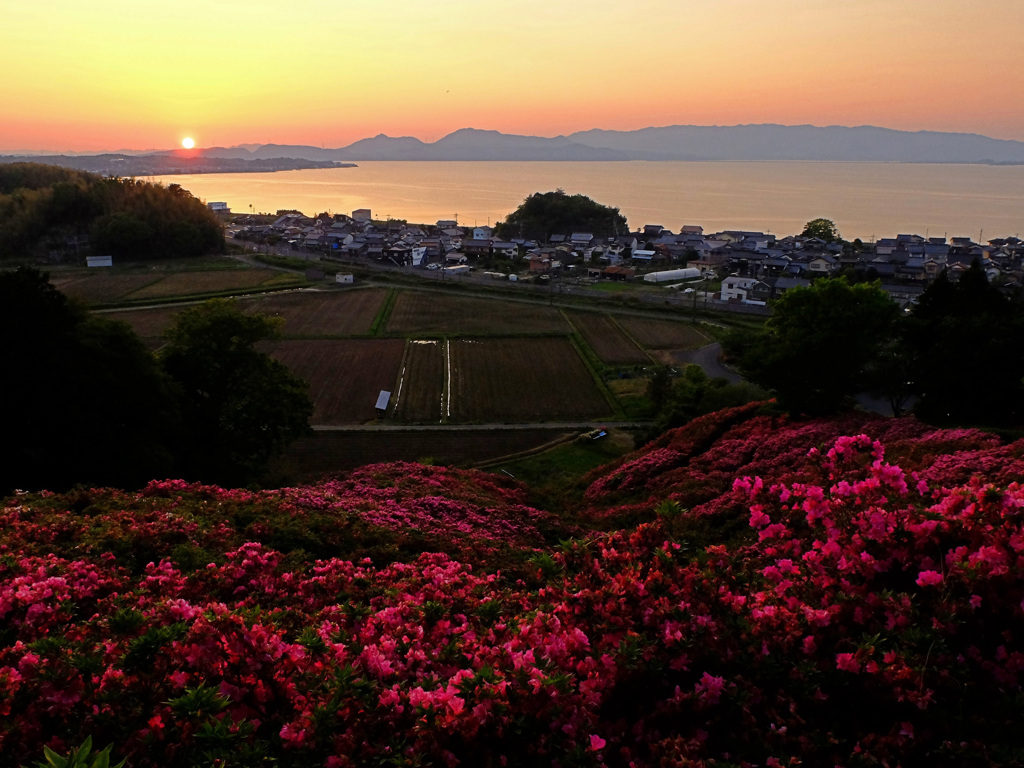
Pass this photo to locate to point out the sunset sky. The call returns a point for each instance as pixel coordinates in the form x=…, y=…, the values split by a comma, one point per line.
x=124, y=74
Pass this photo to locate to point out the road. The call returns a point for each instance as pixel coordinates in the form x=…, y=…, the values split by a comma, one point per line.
x=385, y=427
x=708, y=358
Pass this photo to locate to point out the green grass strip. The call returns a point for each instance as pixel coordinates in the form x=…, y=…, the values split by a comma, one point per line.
x=381, y=320
x=594, y=365
x=193, y=297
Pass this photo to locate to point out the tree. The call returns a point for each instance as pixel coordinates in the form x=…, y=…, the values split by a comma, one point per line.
x=544, y=214
x=695, y=393
x=967, y=345
x=41, y=207
x=823, y=229
x=82, y=399
x=819, y=344
x=240, y=406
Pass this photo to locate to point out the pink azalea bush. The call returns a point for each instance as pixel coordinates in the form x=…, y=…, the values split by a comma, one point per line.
x=855, y=607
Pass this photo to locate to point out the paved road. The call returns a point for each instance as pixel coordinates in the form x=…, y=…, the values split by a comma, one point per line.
x=707, y=357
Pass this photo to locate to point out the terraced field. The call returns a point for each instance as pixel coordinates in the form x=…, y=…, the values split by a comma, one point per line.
x=213, y=281
x=345, y=375
x=420, y=312
x=607, y=340
x=103, y=288
x=521, y=380
x=150, y=324
x=663, y=334
x=422, y=387
x=325, y=453
x=322, y=313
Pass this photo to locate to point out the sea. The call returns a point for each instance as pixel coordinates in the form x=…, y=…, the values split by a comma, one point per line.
x=865, y=200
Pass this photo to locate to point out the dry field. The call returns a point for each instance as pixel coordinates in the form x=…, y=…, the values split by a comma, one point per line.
x=521, y=380
x=97, y=289
x=607, y=340
x=147, y=323
x=345, y=376
x=663, y=334
x=324, y=453
x=419, y=399
x=421, y=312
x=213, y=281
x=322, y=313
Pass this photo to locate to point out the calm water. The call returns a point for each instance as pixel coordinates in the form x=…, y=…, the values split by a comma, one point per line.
x=864, y=199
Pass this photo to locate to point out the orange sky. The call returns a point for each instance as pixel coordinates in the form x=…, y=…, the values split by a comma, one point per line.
x=117, y=74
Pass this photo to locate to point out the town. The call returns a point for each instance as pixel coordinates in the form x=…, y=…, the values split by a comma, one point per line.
x=732, y=266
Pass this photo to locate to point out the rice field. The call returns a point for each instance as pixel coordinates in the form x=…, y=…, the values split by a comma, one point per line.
x=213, y=281
x=148, y=323
x=520, y=380
x=104, y=287
x=345, y=375
x=421, y=389
x=322, y=313
x=663, y=334
x=422, y=312
x=606, y=338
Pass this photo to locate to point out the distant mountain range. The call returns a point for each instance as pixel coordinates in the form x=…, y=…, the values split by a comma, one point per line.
x=677, y=142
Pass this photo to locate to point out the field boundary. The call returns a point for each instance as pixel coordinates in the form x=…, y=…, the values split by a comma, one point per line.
x=446, y=382
x=393, y=408
x=195, y=298
x=562, y=440
x=590, y=360
x=380, y=321
x=631, y=337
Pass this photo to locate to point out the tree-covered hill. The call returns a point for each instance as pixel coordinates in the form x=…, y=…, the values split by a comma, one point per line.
x=544, y=214
x=45, y=209
x=746, y=590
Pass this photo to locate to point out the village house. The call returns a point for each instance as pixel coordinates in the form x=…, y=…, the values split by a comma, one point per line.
x=737, y=288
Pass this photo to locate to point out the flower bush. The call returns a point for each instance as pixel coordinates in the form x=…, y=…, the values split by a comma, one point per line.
x=842, y=592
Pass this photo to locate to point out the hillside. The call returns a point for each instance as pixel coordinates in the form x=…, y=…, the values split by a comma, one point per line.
x=746, y=590
x=48, y=213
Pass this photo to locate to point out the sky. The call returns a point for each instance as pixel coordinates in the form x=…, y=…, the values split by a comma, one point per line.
x=145, y=74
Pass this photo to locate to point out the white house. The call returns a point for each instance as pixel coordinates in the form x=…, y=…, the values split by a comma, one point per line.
x=736, y=288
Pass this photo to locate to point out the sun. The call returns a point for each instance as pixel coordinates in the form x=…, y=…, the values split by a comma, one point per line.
x=188, y=143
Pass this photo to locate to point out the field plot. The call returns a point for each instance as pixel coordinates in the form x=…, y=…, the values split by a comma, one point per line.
x=213, y=281
x=96, y=289
x=421, y=312
x=147, y=323
x=663, y=334
x=330, y=452
x=345, y=376
x=419, y=396
x=322, y=313
x=607, y=340
x=521, y=380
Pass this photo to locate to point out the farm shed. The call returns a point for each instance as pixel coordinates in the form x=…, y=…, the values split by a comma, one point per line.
x=382, y=403
x=99, y=261
x=343, y=278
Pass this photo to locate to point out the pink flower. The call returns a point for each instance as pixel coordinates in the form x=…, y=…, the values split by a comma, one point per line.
x=847, y=662
x=929, y=578
x=596, y=742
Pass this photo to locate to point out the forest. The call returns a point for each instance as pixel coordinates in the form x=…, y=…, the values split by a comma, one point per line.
x=57, y=214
